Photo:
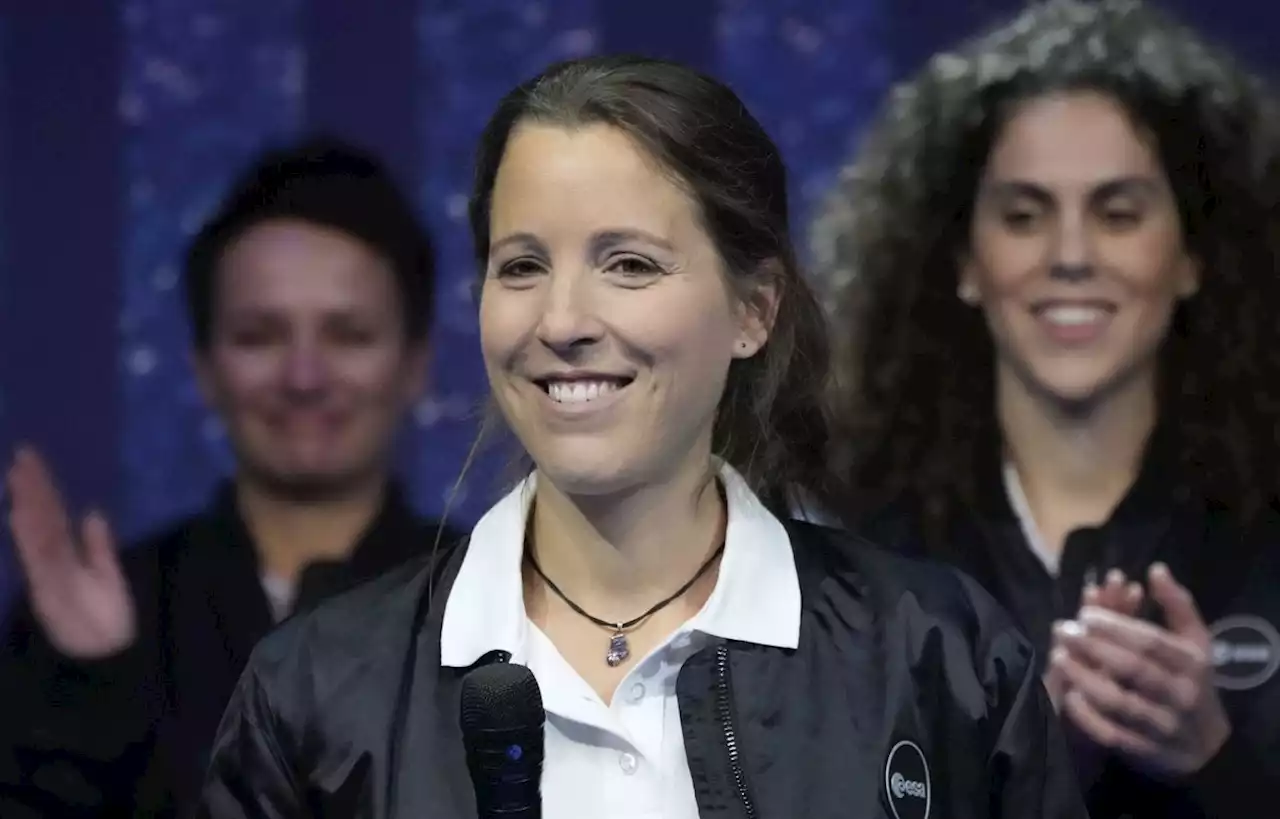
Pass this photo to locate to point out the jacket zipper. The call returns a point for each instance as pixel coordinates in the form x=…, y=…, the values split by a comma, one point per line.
x=724, y=709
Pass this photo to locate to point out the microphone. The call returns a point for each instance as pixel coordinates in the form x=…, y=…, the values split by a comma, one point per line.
x=502, y=722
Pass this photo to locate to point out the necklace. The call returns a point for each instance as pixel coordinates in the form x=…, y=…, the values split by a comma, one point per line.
x=619, y=648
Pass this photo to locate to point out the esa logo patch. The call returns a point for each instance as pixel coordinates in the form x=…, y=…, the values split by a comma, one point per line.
x=1246, y=652
x=906, y=781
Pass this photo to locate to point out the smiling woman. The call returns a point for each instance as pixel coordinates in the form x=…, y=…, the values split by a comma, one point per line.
x=605, y=317
x=652, y=345
x=1056, y=263
x=1076, y=251
x=698, y=236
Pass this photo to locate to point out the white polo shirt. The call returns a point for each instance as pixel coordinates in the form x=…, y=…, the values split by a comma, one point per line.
x=625, y=760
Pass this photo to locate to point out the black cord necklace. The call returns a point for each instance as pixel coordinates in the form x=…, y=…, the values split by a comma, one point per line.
x=619, y=648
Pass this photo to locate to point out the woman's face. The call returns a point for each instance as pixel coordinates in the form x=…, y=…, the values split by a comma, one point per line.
x=606, y=318
x=1077, y=255
x=308, y=363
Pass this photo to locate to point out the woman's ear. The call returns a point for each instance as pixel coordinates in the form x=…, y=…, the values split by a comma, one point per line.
x=759, y=309
x=967, y=289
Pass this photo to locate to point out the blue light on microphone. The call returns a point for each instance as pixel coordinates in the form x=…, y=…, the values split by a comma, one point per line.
x=515, y=752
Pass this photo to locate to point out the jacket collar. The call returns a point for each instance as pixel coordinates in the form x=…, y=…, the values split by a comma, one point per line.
x=756, y=598
x=394, y=536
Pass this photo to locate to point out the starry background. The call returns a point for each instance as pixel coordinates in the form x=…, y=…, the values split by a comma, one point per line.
x=121, y=123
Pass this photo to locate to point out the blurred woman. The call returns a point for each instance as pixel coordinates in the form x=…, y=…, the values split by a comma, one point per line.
x=1055, y=270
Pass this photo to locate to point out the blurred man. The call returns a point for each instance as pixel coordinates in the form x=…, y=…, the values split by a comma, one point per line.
x=309, y=294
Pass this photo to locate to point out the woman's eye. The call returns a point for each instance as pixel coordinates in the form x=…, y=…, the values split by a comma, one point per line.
x=633, y=266
x=1019, y=220
x=519, y=268
x=1118, y=218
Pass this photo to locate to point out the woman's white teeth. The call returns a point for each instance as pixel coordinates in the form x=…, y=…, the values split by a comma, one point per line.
x=576, y=392
x=1073, y=316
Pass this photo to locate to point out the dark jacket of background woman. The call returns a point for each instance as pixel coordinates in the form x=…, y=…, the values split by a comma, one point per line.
x=129, y=735
x=1233, y=575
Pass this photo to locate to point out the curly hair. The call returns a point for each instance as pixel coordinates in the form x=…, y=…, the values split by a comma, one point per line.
x=915, y=375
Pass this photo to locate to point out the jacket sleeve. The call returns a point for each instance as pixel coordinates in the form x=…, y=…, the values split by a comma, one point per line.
x=1238, y=768
x=252, y=765
x=1030, y=768
x=75, y=737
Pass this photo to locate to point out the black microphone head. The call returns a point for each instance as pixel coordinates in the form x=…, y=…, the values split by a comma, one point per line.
x=499, y=696
x=502, y=730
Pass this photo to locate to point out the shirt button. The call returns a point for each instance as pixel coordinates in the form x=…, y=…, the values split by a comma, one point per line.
x=628, y=764
x=637, y=692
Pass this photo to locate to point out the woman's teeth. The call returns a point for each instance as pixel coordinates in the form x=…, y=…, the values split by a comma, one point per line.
x=577, y=392
x=1073, y=316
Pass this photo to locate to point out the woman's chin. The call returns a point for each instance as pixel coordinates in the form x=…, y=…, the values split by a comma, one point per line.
x=585, y=469
x=1075, y=396
x=583, y=478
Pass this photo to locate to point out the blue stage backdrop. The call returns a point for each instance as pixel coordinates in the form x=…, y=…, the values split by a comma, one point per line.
x=122, y=122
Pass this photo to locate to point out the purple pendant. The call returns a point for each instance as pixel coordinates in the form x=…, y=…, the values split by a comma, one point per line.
x=619, y=651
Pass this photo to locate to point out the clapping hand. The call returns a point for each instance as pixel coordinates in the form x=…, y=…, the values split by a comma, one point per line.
x=1116, y=593
x=1135, y=687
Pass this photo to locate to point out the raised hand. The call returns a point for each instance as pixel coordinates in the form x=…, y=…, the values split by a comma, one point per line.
x=1142, y=689
x=77, y=590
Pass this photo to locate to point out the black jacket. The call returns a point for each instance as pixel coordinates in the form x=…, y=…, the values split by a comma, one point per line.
x=130, y=735
x=347, y=711
x=1233, y=575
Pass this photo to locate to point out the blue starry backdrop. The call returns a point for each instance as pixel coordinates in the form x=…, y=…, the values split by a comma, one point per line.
x=122, y=122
